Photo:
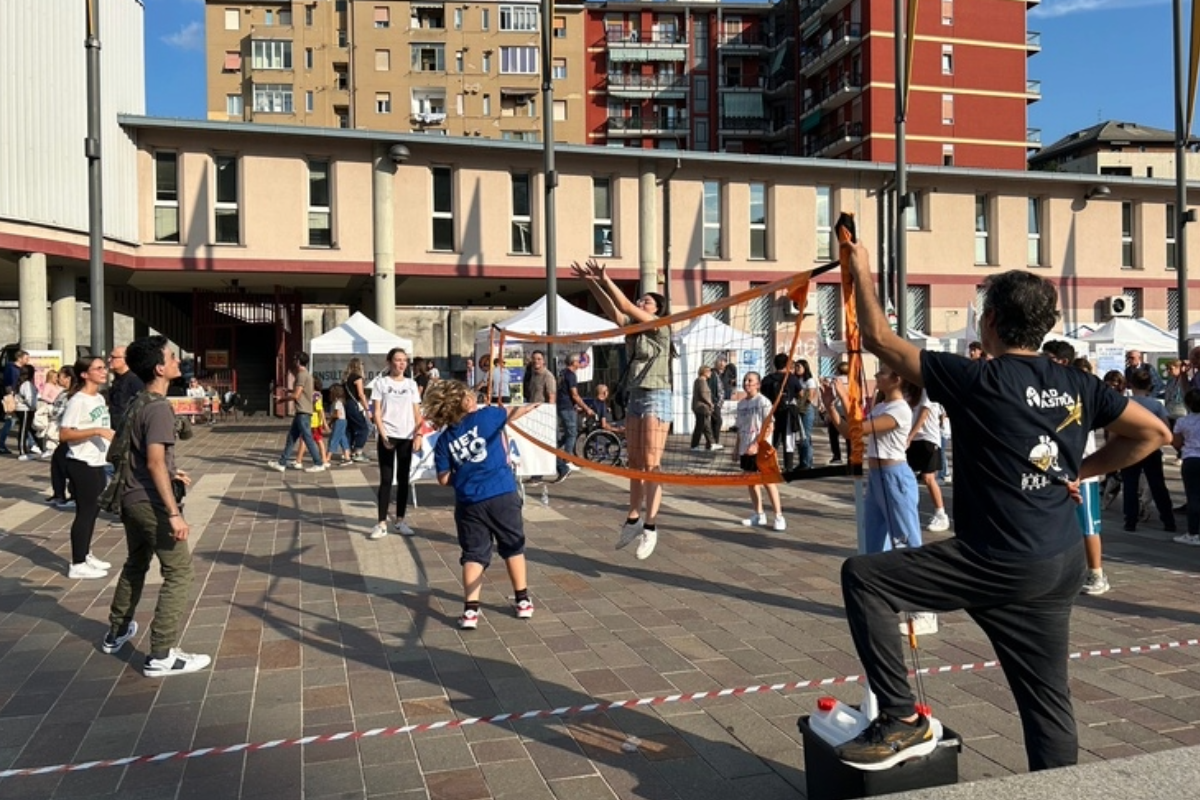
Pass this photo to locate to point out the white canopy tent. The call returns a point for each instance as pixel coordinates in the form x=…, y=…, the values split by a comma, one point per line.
x=357, y=336
x=708, y=335
x=833, y=349
x=1133, y=334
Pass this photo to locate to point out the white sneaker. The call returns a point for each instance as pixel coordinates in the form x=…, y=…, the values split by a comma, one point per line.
x=647, y=544
x=317, y=468
x=47, y=454
x=717, y=446
x=938, y=522
x=25, y=458
x=525, y=609
x=780, y=523
x=378, y=532
x=177, y=662
x=275, y=465
x=629, y=532
x=1095, y=584
x=755, y=521
x=924, y=623
x=35, y=450
x=469, y=620
x=97, y=563
x=401, y=527
x=1187, y=538
x=573, y=467
x=65, y=505
x=84, y=571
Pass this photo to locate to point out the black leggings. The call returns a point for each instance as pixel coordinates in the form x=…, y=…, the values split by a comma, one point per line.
x=25, y=431
x=89, y=483
x=395, y=461
x=1191, y=485
x=58, y=471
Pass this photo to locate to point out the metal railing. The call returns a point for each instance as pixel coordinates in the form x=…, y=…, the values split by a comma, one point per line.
x=756, y=124
x=846, y=83
x=1033, y=39
x=845, y=131
x=842, y=34
x=751, y=37
x=1033, y=87
x=648, y=82
x=648, y=125
x=1033, y=136
x=659, y=38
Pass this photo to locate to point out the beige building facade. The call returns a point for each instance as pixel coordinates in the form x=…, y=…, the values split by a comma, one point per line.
x=443, y=69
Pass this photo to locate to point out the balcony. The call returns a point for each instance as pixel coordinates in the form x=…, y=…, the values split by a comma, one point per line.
x=743, y=126
x=736, y=82
x=654, y=126
x=834, y=143
x=1033, y=91
x=780, y=82
x=635, y=46
x=813, y=12
x=783, y=128
x=833, y=94
x=840, y=41
x=1033, y=42
x=1033, y=138
x=750, y=40
x=647, y=86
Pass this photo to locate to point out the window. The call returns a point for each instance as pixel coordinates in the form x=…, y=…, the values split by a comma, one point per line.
x=1127, y=244
x=947, y=109
x=518, y=18
x=485, y=19
x=429, y=17
x=383, y=102
x=1135, y=297
x=518, y=60
x=982, y=254
x=947, y=59
x=824, y=223
x=602, y=217
x=341, y=77
x=700, y=94
x=343, y=39
x=700, y=38
x=285, y=16
x=458, y=104
x=917, y=308
x=308, y=101
x=271, y=54
x=485, y=64
x=166, y=196
x=383, y=17
x=227, y=226
x=560, y=27
x=273, y=98
x=714, y=292
x=233, y=61
x=712, y=219
x=559, y=68
x=233, y=105
x=383, y=60
x=320, y=215
x=758, y=220
x=443, y=209
x=233, y=19
x=1171, y=223
x=947, y=12
x=522, y=218
x=487, y=105
x=458, y=19
x=428, y=57
x=914, y=219
x=458, y=61
x=947, y=155
x=270, y=18
x=1173, y=309
x=343, y=116
x=1034, y=257
x=308, y=58
x=560, y=110
x=308, y=16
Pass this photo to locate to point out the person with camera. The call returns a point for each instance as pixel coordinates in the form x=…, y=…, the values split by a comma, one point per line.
x=152, y=513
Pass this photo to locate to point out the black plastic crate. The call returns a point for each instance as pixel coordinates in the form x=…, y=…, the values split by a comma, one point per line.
x=830, y=779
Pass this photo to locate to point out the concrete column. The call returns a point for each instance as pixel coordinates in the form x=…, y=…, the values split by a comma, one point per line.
x=384, y=219
x=454, y=329
x=31, y=288
x=62, y=313
x=110, y=301
x=648, y=248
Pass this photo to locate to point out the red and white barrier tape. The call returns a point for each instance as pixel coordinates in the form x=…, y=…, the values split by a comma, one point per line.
x=565, y=711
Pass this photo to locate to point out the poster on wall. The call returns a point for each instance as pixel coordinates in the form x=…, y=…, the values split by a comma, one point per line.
x=41, y=361
x=1110, y=357
x=216, y=359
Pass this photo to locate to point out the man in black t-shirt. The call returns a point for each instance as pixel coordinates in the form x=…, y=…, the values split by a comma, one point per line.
x=1016, y=563
x=787, y=413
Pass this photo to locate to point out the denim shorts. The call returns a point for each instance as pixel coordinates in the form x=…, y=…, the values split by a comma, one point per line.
x=651, y=403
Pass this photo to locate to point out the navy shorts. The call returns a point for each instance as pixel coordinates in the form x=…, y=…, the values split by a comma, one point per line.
x=924, y=457
x=497, y=518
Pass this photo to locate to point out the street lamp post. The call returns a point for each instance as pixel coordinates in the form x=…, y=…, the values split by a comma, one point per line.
x=91, y=149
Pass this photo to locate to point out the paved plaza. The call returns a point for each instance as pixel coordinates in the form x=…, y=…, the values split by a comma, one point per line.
x=316, y=631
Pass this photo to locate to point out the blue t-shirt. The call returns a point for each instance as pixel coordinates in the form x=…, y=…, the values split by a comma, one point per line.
x=567, y=382
x=474, y=454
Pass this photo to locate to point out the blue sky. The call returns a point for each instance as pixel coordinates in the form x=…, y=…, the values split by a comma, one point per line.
x=1100, y=59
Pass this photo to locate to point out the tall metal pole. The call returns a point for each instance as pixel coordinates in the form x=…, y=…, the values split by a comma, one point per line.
x=900, y=243
x=551, y=176
x=91, y=149
x=1182, y=215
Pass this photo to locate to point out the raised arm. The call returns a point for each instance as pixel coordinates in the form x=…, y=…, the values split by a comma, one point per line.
x=878, y=337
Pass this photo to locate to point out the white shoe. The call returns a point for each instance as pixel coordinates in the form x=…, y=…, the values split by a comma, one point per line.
x=378, y=532
x=401, y=527
x=317, y=468
x=938, y=522
x=25, y=458
x=177, y=662
x=780, y=523
x=629, y=532
x=717, y=446
x=275, y=465
x=1187, y=538
x=84, y=571
x=35, y=450
x=97, y=563
x=755, y=521
x=647, y=544
x=573, y=467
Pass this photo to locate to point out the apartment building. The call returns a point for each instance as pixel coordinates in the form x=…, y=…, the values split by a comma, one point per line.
x=439, y=68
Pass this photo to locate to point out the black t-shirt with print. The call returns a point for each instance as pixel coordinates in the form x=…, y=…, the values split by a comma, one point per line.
x=1020, y=425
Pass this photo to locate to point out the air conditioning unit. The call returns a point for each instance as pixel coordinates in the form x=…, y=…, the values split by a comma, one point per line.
x=1118, y=306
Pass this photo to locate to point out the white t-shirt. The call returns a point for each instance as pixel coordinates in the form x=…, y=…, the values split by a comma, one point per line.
x=931, y=428
x=87, y=412
x=397, y=400
x=1189, y=428
x=339, y=409
x=752, y=412
x=890, y=445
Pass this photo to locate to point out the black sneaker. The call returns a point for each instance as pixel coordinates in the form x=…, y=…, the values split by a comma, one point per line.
x=112, y=644
x=888, y=741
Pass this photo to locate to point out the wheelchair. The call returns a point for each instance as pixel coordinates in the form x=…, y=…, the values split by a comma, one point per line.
x=600, y=446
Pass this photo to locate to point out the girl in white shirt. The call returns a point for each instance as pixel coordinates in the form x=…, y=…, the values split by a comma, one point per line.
x=890, y=514
x=924, y=450
x=87, y=431
x=397, y=410
x=1187, y=441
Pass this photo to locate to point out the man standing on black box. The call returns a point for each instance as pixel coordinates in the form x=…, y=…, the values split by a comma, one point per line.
x=1016, y=563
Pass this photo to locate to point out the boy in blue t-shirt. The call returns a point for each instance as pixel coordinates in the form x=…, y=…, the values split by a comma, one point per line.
x=472, y=453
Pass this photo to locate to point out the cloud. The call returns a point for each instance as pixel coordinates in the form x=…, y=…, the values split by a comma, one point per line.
x=189, y=37
x=1062, y=8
